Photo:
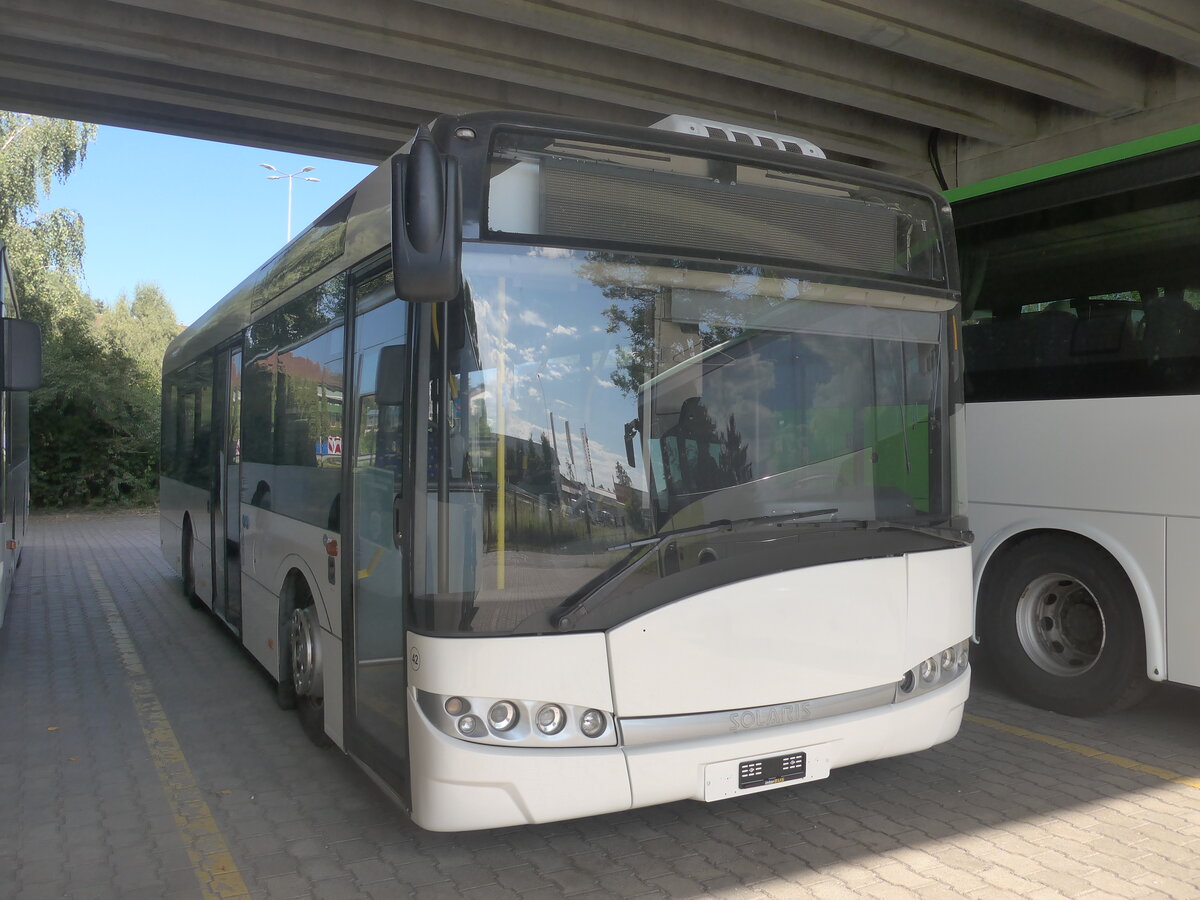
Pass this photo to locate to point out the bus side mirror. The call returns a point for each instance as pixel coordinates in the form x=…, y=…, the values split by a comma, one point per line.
x=426, y=223
x=631, y=429
x=21, y=345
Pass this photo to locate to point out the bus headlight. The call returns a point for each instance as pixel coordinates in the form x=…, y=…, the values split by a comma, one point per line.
x=503, y=715
x=513, y=722
x=551, y=719
x=592, y=723
x=935, y=672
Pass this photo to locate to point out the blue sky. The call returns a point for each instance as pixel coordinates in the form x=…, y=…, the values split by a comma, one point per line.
x=194, y=216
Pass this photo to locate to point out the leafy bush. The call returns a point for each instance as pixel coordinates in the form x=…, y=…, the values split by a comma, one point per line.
x=94, y=423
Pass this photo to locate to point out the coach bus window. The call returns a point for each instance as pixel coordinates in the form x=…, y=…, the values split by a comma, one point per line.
x=194, y=412
x=292, y=405
x=1116, y=314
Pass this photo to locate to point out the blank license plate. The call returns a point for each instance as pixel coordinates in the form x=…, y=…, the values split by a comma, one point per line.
x=772, y=770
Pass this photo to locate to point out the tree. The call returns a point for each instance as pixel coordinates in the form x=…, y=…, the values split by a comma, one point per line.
x=45, y=247
x=141, y=329
x=621, y=476
x=94, y=423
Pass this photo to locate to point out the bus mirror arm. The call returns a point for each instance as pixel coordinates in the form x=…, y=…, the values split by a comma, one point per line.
x=631, y=428
x=426, y=223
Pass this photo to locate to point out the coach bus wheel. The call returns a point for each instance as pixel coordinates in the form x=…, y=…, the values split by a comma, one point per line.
x=189, y=571
x=1061, y=627
x=301, y=644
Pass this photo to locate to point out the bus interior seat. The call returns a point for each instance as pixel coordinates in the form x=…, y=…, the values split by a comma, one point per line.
x=1106, y=330
x=1172, y=332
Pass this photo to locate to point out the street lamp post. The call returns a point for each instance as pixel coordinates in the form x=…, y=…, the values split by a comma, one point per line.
x=290, y=178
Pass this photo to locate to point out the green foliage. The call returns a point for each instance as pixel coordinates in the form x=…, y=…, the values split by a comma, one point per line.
x=94, y=423
x=142, y=329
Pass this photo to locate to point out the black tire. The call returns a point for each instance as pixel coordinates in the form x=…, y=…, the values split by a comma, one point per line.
x=1061, y=628
x=285, y=687
x=310, y=709
x=189, y=572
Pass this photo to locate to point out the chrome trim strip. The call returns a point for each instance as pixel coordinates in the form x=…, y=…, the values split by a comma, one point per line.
x=645, y=730
x=661, y=729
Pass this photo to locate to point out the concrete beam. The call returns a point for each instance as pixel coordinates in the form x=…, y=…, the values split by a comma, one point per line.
x=473, y=61
x=41, y=99
x=1003, y=41
x=186, y=54
x=1172, y=27
x=714, y=37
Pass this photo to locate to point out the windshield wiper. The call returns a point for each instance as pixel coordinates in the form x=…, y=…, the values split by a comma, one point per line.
x=606, y=579
x=561, y=617
x=727, y=525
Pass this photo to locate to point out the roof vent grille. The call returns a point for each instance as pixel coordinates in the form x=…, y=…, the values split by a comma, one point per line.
x=738, y=134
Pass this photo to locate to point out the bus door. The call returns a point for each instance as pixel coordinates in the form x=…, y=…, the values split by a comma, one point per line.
x=376, y=683
x=226, y=517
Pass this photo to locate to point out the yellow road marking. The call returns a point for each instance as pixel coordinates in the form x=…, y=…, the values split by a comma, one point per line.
x=206, y=848
x=1083, y=750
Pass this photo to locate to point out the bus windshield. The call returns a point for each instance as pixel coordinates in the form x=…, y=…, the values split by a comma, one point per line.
x=600, y=401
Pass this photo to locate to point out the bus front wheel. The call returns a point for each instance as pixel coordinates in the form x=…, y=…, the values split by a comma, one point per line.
x=1060, y=624
x=188, y=564
x=300, y=682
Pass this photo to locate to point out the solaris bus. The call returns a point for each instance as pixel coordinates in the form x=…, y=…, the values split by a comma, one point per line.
x=564, y=467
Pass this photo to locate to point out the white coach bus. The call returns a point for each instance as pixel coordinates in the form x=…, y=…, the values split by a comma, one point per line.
x=562, y=468
x=1082, y=344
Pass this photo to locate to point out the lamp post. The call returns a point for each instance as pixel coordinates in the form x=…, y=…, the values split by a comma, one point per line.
x=290, y=178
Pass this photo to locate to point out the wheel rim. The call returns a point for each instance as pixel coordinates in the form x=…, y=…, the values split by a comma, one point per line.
x=1060, y=624
x=306, y=651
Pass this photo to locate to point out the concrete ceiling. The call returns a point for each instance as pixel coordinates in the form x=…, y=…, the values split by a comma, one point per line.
x=995, y=85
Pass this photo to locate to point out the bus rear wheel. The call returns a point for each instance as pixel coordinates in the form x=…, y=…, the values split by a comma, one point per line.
x=1060, y=624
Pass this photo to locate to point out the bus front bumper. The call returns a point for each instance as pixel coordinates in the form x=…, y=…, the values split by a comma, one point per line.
x=458, y=785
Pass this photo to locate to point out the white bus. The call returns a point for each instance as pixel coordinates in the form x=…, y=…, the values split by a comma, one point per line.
x=20, y=372
x=626, y=473
x=1082, y=343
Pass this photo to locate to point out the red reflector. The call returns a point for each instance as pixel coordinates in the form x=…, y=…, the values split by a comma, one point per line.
x=331, y=548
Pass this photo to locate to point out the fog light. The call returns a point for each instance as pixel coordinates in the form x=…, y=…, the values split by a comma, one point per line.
x=551, y=719
x=964, y=650
x=470, y=726
x=592, y=723
x=929, y=669
x=908, y=682
x=503, y=715
x=456, y=706
x=949, y=659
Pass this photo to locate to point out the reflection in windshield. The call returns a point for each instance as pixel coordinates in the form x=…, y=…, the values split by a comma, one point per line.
x=594, y=401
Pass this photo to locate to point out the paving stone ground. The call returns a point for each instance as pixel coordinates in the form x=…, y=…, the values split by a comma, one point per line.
x=1022, y=803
